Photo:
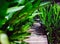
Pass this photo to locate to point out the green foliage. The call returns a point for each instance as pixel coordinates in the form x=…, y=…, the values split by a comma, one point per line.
x=50, y=18
x=16, y=17
x=3, y=8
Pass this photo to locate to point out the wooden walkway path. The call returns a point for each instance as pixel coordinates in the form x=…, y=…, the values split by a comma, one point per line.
x=36, y=39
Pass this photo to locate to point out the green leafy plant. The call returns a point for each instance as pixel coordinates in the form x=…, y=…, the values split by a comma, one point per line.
x=50, y=18
x=16, y=18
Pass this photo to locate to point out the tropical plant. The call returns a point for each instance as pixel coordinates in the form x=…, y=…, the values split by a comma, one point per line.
x=50, y=18
x=16, y=17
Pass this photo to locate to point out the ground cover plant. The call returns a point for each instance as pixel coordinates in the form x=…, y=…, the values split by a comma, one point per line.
x=50, y=17
x=15, y=19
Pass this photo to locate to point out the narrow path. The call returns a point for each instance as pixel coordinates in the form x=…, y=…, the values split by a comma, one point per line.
x=36, y=39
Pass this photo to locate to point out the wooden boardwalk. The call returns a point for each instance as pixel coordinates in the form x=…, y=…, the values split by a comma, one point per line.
x=34, y=39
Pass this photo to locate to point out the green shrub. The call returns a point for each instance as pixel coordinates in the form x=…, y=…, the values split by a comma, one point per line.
x=50, y=17
x=16, y=17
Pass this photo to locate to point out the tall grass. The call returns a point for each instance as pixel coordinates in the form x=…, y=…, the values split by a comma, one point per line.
x=50, y=17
